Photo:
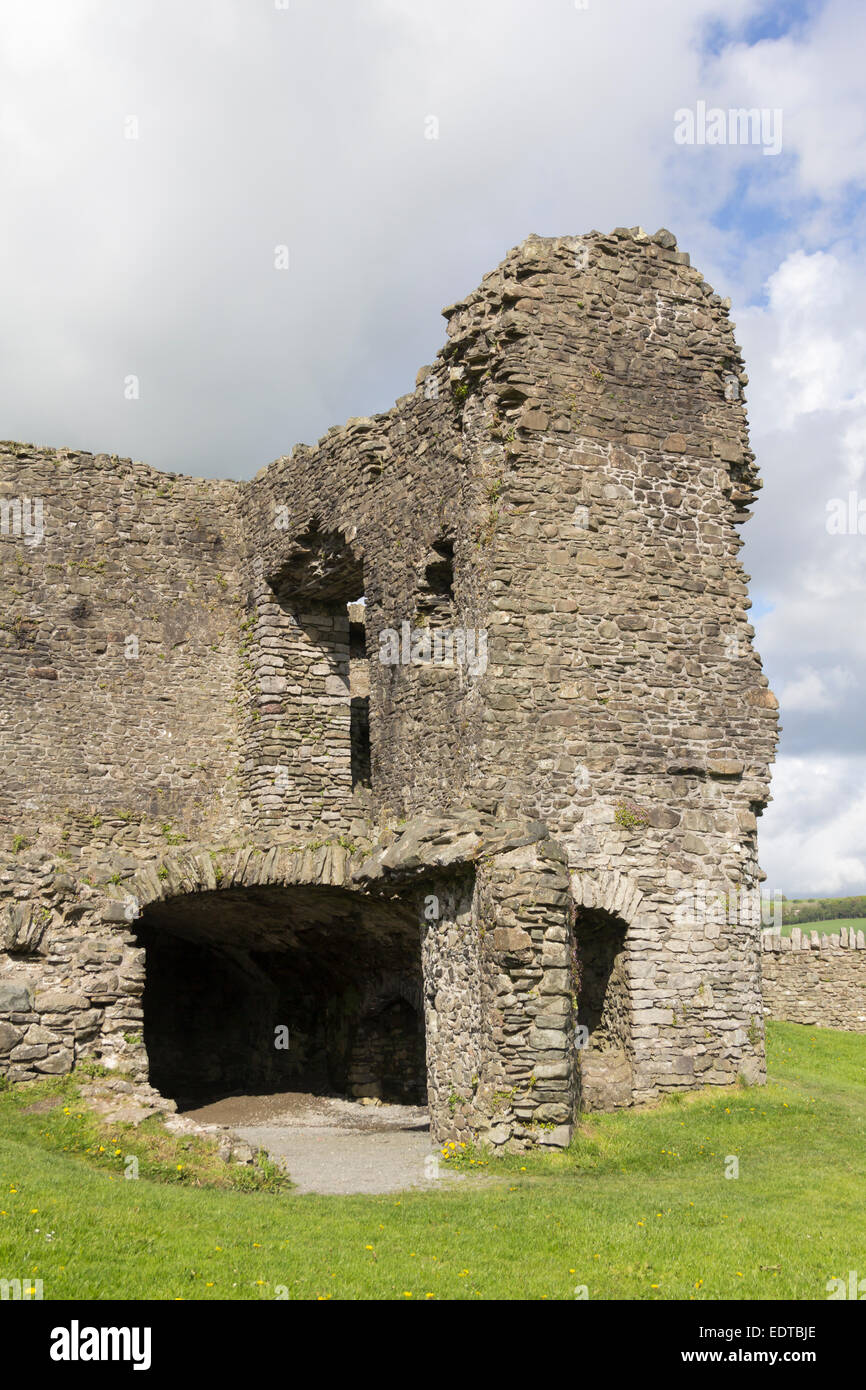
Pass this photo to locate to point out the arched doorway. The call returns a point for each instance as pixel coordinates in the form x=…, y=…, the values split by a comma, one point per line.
x=604, y=1029
x=277, y=988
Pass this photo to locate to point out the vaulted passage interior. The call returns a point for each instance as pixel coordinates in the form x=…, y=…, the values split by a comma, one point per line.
x=251, y=990
x=603, y=1010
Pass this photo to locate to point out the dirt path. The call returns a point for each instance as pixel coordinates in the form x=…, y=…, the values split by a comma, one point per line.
x=334, y=1146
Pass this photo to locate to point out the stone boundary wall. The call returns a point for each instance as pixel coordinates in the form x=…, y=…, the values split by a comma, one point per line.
x=815, y=979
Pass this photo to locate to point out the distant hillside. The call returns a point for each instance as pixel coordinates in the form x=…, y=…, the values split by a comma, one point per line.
x=798, y=910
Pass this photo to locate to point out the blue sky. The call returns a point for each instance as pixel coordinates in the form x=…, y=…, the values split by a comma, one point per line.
x=768, y=21
x=305, y=126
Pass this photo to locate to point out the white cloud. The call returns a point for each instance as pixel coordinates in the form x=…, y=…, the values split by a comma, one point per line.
x=812, y=838
x=807, y=345
x=813, y=691
x=806, y=353
x=816, y=77
x=302, y=127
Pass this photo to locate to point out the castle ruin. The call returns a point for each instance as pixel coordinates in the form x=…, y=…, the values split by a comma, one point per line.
x=393, y=771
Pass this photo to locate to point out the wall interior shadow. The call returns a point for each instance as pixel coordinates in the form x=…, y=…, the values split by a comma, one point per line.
x=234, y=976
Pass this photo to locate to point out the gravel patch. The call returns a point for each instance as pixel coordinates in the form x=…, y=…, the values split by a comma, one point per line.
x=334, y=1146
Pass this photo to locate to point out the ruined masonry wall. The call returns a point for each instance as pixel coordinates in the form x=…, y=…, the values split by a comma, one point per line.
x=580, y=447
x=605, y=395
x=119, y=636
x=297, y=767
x=388, y=487
x=816, y=979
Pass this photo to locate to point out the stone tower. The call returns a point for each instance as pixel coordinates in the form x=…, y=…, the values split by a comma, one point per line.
x=426, y=762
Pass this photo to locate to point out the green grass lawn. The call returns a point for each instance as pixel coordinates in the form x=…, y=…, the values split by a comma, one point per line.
x=826, y=928
x=638, y=1208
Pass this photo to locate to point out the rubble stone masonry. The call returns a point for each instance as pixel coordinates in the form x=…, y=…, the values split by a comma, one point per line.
x=210, y=770
x=810, y=977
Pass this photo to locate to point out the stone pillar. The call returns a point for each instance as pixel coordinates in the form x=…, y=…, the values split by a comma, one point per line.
x=522, y=907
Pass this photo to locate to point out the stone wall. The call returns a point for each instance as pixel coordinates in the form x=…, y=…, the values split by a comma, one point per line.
x=361, y=514
x=561, y=493
x=323, y=940
x=119, y=653
x=816, y=979
x=606, y=396
x=297, y=771
x=581, y=448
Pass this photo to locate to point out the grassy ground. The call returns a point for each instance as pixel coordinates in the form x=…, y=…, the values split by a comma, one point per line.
x=638, y=1208
x=826, y=928
x=51, y=1114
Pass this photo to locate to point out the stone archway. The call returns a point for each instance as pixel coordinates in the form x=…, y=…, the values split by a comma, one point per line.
x=324, y=940
x=269, y=988
x=604, y=907
x=605, y=1053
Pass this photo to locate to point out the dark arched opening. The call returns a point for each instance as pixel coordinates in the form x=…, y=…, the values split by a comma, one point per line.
x=604, y=1049
x=253, y=990
x=359, y=690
